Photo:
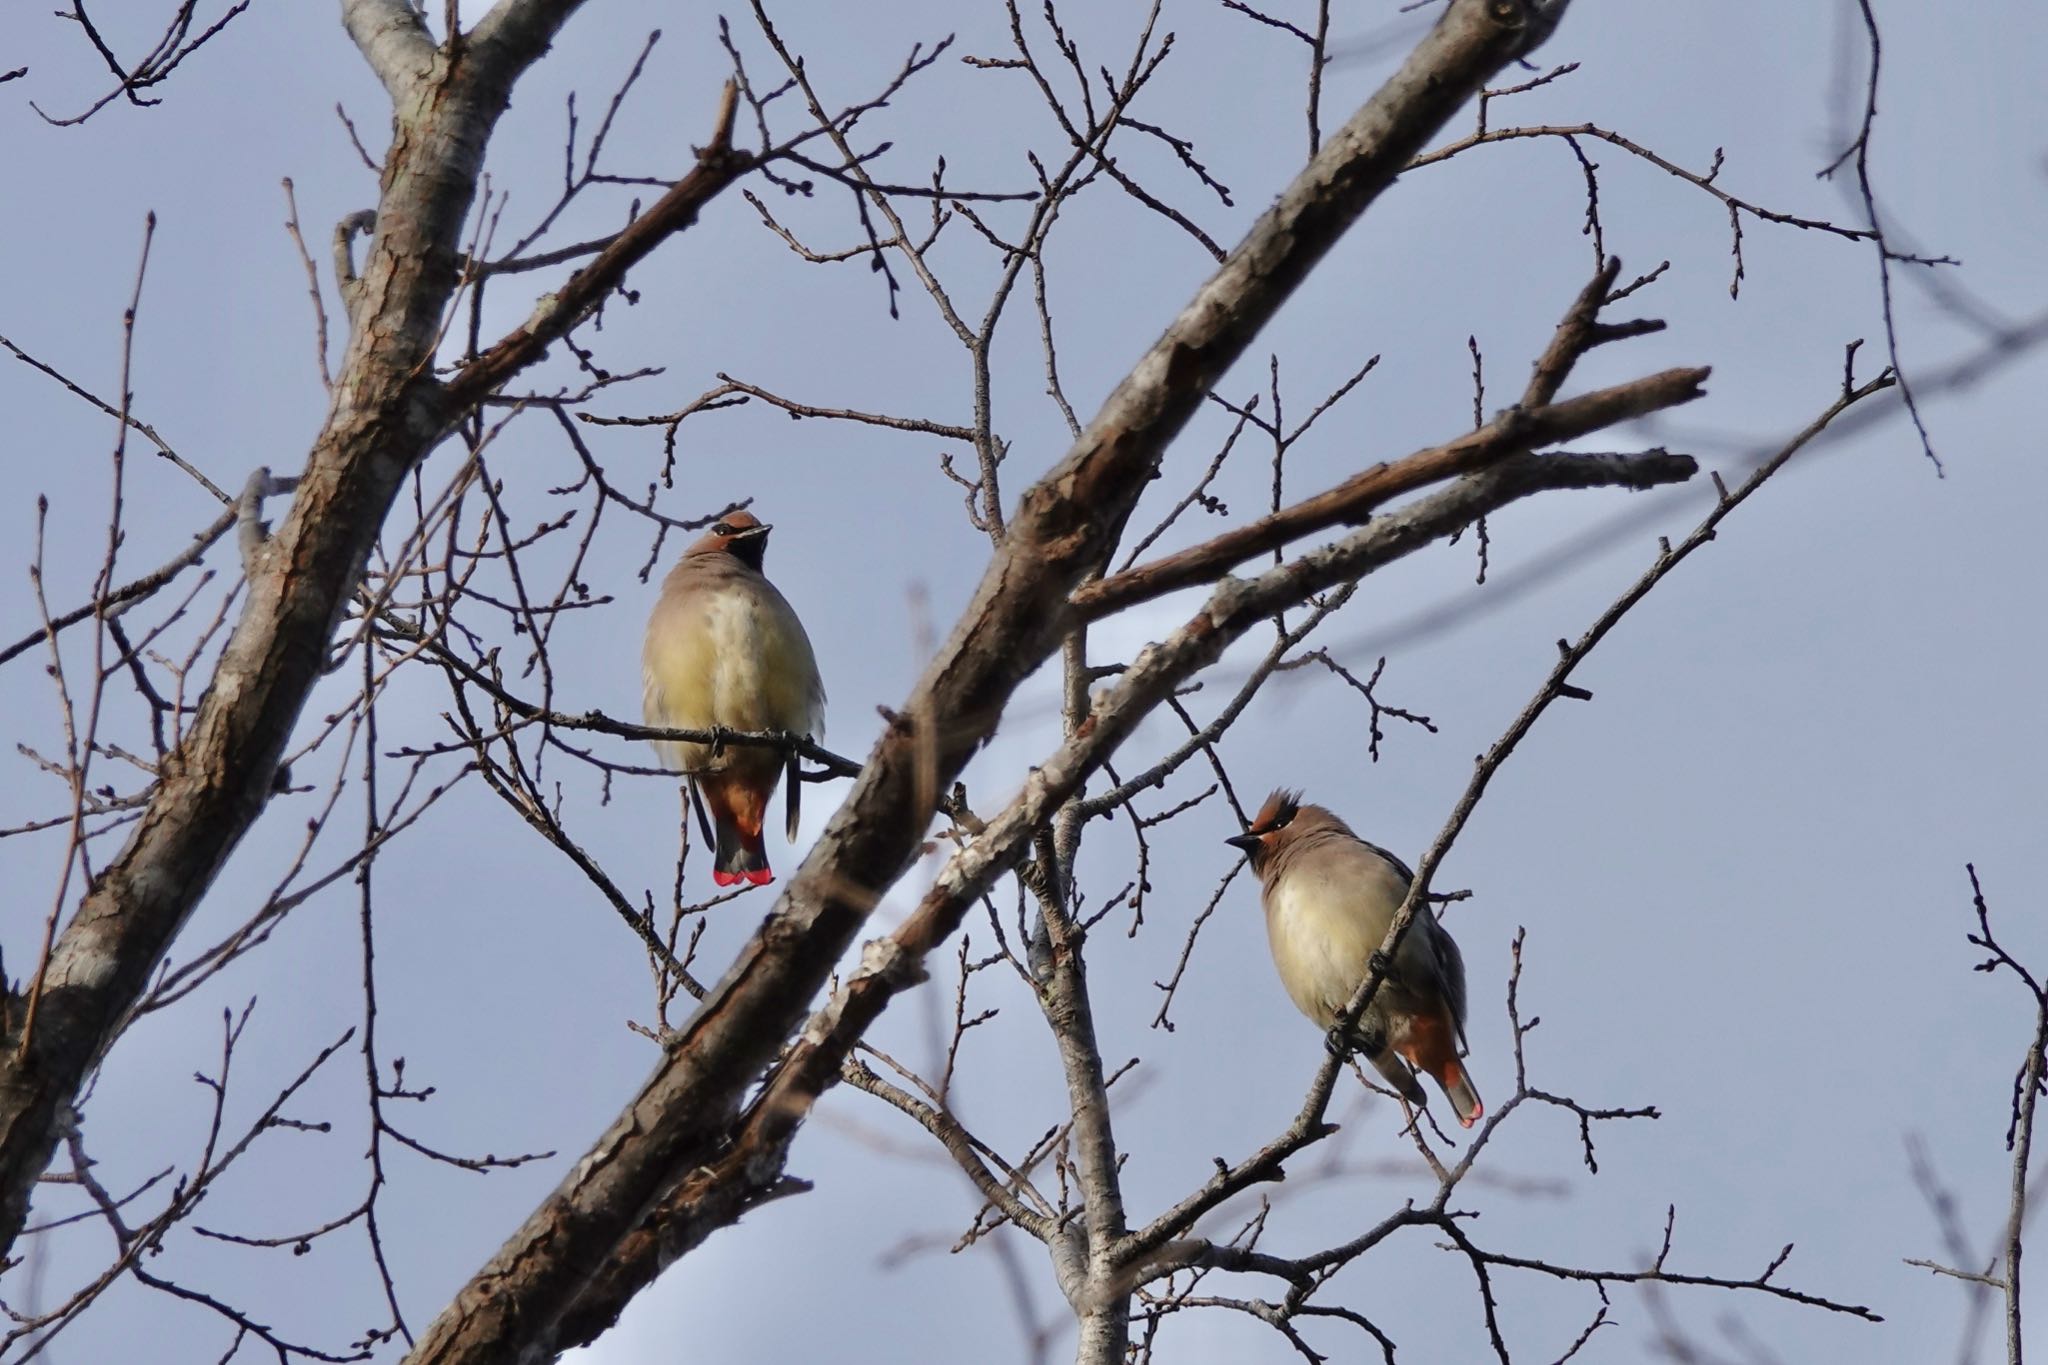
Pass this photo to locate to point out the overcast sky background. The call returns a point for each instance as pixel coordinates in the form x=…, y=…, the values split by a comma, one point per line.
x=1740, y=866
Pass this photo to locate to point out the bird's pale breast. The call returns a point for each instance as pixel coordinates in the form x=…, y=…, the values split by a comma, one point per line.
x=1324, y=923
x=735, y=657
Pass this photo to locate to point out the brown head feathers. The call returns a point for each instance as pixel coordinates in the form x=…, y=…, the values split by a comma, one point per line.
x=1278, y=822
x=740, y=534
x=1280, y=809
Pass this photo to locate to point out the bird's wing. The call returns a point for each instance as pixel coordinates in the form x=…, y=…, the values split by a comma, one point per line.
x=793, y=677
x=1450, y=970
x=1436, y=952
x=1407, y=875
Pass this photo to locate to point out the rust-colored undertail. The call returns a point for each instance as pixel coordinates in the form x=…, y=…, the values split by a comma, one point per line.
x=1431, y=1045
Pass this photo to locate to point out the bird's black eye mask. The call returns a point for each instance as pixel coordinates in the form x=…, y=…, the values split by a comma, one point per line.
x=1278, y=812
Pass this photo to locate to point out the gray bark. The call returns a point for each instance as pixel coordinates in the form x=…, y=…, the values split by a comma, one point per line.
x=386, y=413
x=675, y=1133
x=563, y=1275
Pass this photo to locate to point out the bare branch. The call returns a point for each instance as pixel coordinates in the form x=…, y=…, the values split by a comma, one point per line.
x=1558, y=685
x=1516, y=431
x=387, y=413
x=718, y=165
x=393, y=41
x=1063, y=528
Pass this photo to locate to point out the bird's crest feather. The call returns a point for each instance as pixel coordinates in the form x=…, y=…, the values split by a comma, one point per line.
x=1280, y=808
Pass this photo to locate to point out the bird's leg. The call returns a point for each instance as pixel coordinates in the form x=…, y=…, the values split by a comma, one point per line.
x=1367, y=1037
x=1380, y=965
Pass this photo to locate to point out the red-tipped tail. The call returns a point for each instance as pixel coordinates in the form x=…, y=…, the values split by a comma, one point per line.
x=1458, y=1090
x=1432, y=1046
x=741, y=855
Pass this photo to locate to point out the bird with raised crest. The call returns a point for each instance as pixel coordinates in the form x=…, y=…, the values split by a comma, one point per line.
x=1330, y=898
x=725, y=651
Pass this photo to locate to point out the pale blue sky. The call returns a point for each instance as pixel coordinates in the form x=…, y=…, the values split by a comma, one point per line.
x=1740, y=866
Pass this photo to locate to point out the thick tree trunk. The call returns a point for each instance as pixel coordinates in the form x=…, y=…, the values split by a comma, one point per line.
x=387, y=412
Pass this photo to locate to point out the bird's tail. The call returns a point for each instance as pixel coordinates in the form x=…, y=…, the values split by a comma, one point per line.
x=740, y=858
x=1457, y=1085
x=741, y=854
x=1432, y=1044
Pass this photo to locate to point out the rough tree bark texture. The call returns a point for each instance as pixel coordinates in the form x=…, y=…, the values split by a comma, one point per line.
x=387, y=412
x=676, y=1128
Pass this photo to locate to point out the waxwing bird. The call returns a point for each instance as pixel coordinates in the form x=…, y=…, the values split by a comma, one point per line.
x=725, y=651
x=1330, y=898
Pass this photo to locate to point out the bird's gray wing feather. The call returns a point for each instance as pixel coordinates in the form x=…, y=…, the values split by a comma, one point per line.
x=1450, y=969
x=1439, y=955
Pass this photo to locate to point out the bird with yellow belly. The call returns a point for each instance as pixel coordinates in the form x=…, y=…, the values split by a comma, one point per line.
x=725, y=651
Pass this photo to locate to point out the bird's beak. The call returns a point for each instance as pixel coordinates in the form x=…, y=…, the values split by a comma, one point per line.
x=754, y=532
x=1247, y=842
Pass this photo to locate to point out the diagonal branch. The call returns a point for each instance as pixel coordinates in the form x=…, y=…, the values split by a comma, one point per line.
x=1516, y=431
x=1570, y=654
x=387, y=413
x=718, y=165
x=393, y=40
x=759, y=1144
x=1064, y=528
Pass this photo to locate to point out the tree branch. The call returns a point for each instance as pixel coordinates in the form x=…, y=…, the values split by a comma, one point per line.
x=1557, y=684
x=718, y=165
x=759, y=1141
x=387, y=412
x=1515, y=431
x=393, y=40
x=1065, y=527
